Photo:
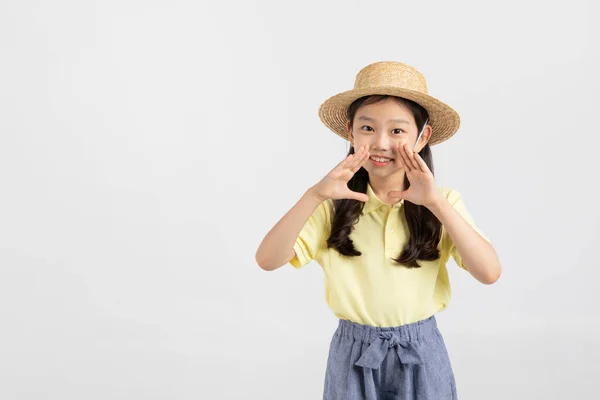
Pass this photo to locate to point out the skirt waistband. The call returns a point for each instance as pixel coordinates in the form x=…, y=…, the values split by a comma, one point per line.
x=367, y=333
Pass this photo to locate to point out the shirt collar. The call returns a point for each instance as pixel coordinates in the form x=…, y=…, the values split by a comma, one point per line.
x=374, y=202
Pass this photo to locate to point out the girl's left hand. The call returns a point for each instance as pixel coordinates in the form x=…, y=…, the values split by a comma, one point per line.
x=422, y=190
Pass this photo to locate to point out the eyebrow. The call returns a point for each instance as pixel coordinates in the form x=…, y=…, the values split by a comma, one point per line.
x=398, y=120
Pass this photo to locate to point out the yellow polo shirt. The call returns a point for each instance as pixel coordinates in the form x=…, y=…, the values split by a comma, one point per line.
x=372, y=289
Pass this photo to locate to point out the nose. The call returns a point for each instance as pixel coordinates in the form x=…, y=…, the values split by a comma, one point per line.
x=383, y=142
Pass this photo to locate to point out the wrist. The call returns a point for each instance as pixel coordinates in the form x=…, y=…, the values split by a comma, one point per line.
x=436, y=204
x=312, y=193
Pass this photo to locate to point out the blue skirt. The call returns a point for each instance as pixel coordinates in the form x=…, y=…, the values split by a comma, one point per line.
x=374, y=363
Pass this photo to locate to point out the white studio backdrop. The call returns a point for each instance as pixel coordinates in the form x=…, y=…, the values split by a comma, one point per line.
x=146, y=148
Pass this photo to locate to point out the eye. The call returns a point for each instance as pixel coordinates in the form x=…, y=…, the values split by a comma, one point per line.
x=397, y=129
x=366, y=126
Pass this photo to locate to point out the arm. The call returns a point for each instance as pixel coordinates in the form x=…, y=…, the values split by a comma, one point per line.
x=478, y=254
x=277, y=248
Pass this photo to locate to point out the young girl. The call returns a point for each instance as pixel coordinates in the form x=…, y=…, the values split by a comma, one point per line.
x=383, y=231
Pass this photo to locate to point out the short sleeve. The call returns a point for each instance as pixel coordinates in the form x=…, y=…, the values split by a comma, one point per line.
x=455, y=198
x=313, y=235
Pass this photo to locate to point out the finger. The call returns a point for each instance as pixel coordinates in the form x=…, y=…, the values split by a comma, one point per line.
x=344, y=163
x=357, y=159
x=422, y=163
x=363, y=160
x=396, y=194
x=358, y=196
x=411, y=157
x=361, y=152
x=404, y=157
x=349, y=161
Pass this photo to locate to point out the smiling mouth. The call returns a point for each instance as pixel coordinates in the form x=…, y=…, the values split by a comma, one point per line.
x=381, y=163
x=381, y=159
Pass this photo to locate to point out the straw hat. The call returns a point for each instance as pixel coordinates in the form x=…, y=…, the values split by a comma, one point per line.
x=397, y=79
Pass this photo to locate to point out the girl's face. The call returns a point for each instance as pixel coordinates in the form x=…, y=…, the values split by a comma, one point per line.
x=384, y=126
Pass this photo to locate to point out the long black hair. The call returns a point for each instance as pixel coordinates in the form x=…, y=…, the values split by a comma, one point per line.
x=424, y=227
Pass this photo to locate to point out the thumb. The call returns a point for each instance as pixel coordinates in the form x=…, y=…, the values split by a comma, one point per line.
x=397, y=194
x=358, y=196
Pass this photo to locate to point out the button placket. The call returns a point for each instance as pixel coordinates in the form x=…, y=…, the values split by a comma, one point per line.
x=389, y=230
x=390, y=233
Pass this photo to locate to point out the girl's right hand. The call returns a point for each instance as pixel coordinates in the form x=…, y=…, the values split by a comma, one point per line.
x=335, y=184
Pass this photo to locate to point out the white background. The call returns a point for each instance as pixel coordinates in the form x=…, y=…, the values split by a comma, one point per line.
x=146, y=148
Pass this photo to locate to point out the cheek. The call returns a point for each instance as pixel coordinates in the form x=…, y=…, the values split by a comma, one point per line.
x=358, y=142
x=403, y=141
x=399, y=144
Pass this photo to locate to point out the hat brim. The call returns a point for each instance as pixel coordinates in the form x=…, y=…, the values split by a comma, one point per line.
x=444, y=120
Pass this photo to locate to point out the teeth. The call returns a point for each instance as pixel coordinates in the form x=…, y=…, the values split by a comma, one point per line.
x=380, y=159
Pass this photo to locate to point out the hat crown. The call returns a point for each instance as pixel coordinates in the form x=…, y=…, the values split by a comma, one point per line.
x=391, y=78
x=391, y=73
